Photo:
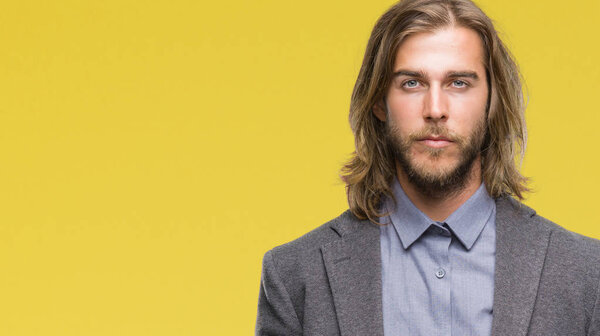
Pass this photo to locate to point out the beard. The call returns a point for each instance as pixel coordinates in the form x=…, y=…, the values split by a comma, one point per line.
x=435, y=179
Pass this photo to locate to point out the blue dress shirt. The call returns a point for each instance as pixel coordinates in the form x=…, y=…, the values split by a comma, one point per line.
x=438, y=277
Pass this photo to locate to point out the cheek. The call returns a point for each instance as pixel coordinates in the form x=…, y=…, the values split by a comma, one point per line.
x=404, y=110
x=468, y=111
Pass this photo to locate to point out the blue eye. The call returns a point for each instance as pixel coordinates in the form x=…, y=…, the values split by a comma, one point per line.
x=411, y=83
x=459, y=83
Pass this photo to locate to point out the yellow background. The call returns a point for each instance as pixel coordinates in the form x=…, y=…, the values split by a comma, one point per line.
x=152, y=151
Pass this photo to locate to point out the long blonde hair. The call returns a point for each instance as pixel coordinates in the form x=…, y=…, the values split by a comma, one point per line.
x=370, y=172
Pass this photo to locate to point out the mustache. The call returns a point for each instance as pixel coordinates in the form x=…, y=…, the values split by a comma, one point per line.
x=436, y=131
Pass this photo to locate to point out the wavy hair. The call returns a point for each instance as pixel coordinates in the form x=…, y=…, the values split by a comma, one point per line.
x=369, y=173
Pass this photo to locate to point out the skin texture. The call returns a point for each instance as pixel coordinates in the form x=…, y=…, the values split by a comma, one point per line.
x=435, y=110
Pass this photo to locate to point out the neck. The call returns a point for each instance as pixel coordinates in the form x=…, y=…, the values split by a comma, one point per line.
x=441, y=206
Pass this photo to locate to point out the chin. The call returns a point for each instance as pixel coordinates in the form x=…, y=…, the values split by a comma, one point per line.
x=437, y=162
x=435, y=167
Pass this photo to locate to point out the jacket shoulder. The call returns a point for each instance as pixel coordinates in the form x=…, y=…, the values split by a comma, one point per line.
x=561, y=235
x=297, y=267
x=582, y=249
x=567, y=245
x=301, y=258
x=314, y=239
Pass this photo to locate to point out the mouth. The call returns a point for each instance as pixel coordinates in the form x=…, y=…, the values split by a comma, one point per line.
x=435, y=141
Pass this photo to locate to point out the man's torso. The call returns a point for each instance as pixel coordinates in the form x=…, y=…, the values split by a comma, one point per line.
x=328, y=282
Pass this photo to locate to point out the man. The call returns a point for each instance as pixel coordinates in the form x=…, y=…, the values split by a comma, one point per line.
x=434, y=242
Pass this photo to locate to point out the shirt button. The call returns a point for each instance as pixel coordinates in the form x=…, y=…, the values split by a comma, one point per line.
x=440, y=273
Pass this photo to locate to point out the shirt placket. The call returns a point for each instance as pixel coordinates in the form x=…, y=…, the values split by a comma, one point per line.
x=440, y=276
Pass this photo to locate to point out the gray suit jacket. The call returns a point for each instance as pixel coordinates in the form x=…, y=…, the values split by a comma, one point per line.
x=328, y=282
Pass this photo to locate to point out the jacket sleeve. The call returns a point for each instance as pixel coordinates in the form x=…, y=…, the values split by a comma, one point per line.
x=276, y=314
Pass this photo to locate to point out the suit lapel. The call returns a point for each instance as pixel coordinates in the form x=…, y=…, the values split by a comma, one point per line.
x=520, y=251
x=353, y=265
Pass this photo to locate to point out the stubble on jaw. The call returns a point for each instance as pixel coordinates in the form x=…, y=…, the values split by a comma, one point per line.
x=443, y=182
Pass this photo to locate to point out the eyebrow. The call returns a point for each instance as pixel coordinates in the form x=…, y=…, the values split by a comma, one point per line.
x=468, y=74
x=408, y=73
x=449, y=74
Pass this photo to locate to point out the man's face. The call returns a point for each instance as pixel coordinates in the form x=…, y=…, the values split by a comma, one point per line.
x=436, y=107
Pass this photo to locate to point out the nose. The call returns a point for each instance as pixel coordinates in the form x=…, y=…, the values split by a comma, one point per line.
x=436, y=104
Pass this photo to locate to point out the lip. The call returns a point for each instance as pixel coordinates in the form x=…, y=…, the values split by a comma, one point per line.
x=435, y=141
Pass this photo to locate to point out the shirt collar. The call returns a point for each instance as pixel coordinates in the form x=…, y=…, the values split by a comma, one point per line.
x=466, y=223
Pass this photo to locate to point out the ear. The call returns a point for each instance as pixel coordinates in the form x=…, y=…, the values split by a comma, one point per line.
x=379, y=110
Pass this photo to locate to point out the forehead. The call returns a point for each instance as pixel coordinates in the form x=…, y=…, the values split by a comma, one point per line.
x=440, y=51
